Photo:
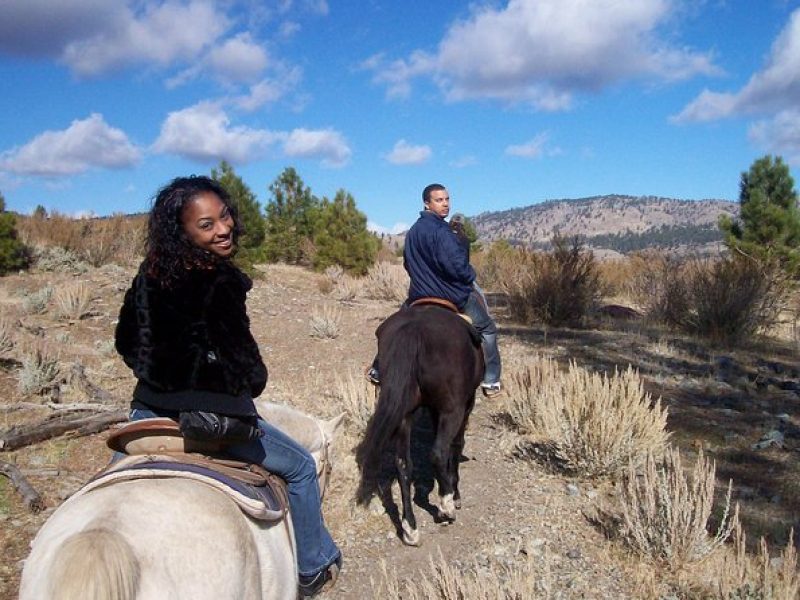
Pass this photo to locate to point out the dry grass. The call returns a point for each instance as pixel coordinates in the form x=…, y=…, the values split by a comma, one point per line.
x=325, y=322
x=665, y=514
x=72, y=301
x=386, y=281
x=357, y=398
x=594, y=425
x=759, y=577
x=7, y=341
x=347, y=289
x=446, y=581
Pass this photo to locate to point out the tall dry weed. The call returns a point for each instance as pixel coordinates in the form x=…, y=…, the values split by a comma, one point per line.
x=357, y=398
x=760, y=577
x=72, y=300
x=593, y=425
x=7, y=339
x=665, y=514
x=325, y=322
x=445, y=580
x=386, y=281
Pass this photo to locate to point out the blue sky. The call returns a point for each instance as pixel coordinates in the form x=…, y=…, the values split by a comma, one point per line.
x=506, y=103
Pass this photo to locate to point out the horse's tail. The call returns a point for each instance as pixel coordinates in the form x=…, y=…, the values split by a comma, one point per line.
x=94, y=564
x=398, y=366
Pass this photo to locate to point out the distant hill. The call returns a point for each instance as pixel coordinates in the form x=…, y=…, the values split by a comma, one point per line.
x=609, y=224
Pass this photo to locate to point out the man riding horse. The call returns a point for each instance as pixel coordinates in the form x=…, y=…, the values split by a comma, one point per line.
x=438, y=266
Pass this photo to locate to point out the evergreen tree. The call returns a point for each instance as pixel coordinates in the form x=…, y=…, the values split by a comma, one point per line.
x=291, y=213
x=249, y=209
x=341, y=236
x=768, y=227
x=13, y=254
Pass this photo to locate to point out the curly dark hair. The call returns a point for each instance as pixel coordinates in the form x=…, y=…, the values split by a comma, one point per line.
x=169, y=253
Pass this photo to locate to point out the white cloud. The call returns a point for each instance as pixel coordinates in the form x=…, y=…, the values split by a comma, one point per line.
x=543, y=51
x=161, y=35
x=779, y=135
x=269, y=90
x=533, y=148
x=203, y=132
x=404, y=153
x=395, y=229
x=326, y=144
x=83, y=145
x=774, y=88
x=238, y=60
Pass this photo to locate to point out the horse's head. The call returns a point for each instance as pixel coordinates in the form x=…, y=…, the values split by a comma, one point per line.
x=315, y=435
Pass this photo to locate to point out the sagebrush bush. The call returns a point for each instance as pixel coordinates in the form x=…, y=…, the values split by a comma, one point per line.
x=743, y=577
x=36, y=302
x=347, y=289
x=357, y=398
x=39, y=372
x=594, y=425
x=665, y=514
x=325, y=322
x=560, y=287
x=58, y=259
x=449, y=580
x=386, y=281
x=72, y=300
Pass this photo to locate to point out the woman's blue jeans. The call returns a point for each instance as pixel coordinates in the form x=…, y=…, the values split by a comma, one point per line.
x=280, y=454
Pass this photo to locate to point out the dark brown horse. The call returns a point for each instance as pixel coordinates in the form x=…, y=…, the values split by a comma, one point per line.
x=429, y=357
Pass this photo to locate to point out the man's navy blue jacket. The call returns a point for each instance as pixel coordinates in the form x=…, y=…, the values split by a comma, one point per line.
x=437, y=263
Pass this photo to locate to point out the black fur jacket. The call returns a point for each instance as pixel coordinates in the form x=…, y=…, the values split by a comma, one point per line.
x=190, y=346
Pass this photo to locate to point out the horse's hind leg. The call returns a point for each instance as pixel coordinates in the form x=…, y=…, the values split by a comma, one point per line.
x=450, y=424
x=404, y=469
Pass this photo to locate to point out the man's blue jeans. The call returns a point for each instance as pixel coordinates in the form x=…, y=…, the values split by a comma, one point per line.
x=476, y=309
x=280, y=454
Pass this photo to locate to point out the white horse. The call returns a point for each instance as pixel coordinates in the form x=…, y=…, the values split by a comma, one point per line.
x=171, y=538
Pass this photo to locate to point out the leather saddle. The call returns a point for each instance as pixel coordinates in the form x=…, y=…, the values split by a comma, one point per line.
x=433, y=301
x=156, y=449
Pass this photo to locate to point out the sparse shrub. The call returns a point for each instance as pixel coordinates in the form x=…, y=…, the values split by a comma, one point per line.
x=39, y=372
x=105, y=346
x=665, y=514
x=36, y=302
x=6, y=335
x=357, y=397
x=325, y=322
x=593, y=425
x=72, y=301
x=561, y=287
x=385, y=281
x=58, y=259
x=759, y=578
x=347, y=289
x=733, y=298
x=452, y=580
x=497, y=265
x=661, y=288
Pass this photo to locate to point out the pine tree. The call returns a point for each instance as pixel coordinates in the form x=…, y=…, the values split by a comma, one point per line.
x=252, y=221
x=341, y=236
x=768, y=227
x=291, y=213
x=13, y=254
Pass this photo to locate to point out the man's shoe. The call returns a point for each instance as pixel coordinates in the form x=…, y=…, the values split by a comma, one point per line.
x=373, y=376
x=311, y=585
x=490, y=390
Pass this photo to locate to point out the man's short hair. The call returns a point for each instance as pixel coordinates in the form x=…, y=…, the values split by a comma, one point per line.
x=426, y=193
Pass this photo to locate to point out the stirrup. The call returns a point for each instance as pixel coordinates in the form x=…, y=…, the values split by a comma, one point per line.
x=373, y=376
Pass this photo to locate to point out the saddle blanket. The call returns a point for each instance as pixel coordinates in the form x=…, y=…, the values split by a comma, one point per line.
x=261, y=502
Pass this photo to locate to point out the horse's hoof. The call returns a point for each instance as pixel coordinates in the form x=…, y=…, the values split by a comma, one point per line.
x=457, y=502
x=447, y=507
x=410, y=535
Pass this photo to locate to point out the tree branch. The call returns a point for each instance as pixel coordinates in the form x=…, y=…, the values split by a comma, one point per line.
x=30, y=496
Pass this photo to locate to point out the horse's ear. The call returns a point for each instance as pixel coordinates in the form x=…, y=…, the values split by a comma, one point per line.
x=331, y=426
